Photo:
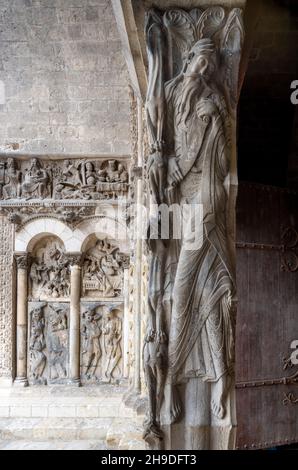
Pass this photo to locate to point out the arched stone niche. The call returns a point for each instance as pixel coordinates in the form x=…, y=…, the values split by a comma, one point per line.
x=56, y=253
x=103, y=322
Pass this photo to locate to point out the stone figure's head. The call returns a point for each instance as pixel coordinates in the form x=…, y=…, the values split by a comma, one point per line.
x=200, y=65
x=100, y=244
x=58, y=319
x=35, y=163
x=89, y=314
x=112, y=165
x=37, y=314
x=89, y=166
x=201, y=59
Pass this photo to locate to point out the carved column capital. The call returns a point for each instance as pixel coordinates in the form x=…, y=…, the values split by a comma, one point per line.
x=74, y=259
x=22, y=260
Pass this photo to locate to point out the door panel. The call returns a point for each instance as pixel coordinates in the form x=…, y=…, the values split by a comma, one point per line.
x=267, y=320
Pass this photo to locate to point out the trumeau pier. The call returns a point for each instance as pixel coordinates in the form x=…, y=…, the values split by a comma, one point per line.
x=190, y=53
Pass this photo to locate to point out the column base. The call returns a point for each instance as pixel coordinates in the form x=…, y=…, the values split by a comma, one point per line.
x=75, y=382
x=20, y=382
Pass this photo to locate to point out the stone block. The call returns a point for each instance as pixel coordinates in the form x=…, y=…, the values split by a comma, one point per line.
x=38, y=411
x=88, y=411
x=62, y=411
x=20, y=411
x=4, y=411
x=75, y=31
x=71, y=15
x=42, y=15
x=109, y=410
x=92, y=13
x=68, y=132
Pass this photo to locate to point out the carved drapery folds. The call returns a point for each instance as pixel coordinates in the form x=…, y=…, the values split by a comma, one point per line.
x=191, y=102
x=6, y=298
x=101, y=343
x=62, y=180
x=48, y=342
x=49, y=272
x=103, y=270
x=71, y=341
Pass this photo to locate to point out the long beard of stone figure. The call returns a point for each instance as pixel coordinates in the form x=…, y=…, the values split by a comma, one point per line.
x=189, y=347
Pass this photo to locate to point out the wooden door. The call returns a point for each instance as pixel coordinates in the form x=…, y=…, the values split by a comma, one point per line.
x=267, y=321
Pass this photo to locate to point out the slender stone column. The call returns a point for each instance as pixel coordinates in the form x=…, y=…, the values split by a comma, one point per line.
x=138, y=256
x=126, y=323
x=22, y=319
x=74, y=319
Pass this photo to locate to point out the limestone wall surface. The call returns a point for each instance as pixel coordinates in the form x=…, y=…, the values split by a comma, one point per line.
x=65, y=79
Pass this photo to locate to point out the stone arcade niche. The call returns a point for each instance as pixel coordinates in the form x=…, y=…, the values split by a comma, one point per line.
x=49, y=276
x=101, y=342
x=102, y=311
x=48, y=310
x=101, y=306
x=48, y=342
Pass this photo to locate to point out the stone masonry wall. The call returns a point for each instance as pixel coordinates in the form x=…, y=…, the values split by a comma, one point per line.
x=65, y=79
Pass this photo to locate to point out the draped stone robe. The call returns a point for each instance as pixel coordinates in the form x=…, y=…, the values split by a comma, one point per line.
x=201, y=333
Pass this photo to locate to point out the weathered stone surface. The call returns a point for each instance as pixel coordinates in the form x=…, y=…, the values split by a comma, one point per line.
x=83, y=179
x=47, y=46
x=6, y=303
x=191, y=112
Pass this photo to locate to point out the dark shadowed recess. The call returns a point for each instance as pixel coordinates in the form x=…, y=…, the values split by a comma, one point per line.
x=268, y=121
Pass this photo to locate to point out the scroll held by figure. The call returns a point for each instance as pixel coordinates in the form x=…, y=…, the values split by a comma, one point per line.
x=194, y=58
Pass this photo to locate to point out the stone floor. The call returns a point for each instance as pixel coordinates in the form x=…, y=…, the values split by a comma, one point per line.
x=52, y=445
x=65, y=417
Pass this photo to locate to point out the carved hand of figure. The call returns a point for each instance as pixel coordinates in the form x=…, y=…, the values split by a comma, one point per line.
x=160, y=337
x=174, y=173
x=150, y=336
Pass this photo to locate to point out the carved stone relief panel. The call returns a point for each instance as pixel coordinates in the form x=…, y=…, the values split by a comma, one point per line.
x=48, y=342
x=101, y=342
x=63, y=179
x=49, y=275
x=71, y=213
x=6, y=303
x=103, y=271
x=193, y=64
x=131, y=336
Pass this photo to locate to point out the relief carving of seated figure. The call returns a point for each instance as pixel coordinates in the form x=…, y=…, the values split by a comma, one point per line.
x=113, y=175
x=113, y=279
x=112, y=178
x=90, y=174
x=36, y=181
x=69, y=182
x=123, y=174
x=102, y=175
x=12, y=188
